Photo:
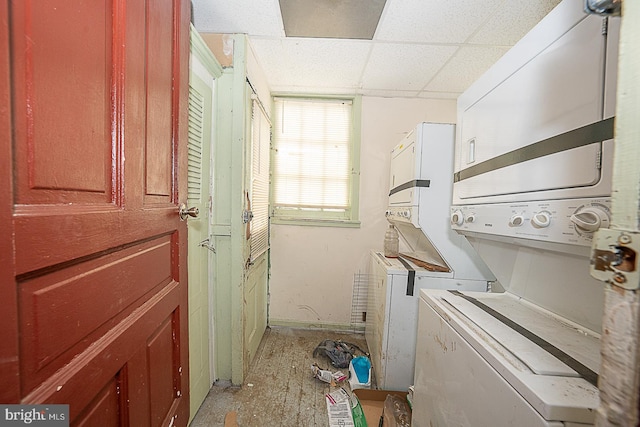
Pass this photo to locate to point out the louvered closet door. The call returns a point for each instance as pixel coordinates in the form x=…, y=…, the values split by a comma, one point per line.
x=255, y=288
x=200, y=110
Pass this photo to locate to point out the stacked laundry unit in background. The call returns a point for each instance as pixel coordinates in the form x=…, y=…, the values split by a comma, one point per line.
x=532, y=184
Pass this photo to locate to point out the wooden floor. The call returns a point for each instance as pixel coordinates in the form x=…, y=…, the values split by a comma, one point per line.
x=280, y=389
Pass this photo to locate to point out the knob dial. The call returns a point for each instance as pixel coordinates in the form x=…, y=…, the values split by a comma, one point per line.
x=457, y=218
x=516, y=221
x=541, y=219
x=590, y=219
x=471, y=218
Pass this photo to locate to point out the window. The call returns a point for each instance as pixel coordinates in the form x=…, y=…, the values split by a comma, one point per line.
x=316, y=160
x=259, y=188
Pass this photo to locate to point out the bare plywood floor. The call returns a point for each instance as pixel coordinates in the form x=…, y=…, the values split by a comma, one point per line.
x=279, y=389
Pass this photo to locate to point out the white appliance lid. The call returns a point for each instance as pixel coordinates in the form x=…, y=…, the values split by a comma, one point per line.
x=421, y=249
x=552, y=387
x=395, y=266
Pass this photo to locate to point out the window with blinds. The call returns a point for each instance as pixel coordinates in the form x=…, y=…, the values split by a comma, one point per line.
x=315, y=160
x=260, y=145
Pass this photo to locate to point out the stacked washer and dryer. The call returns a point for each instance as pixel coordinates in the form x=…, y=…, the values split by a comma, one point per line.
x=532, y=184
x=433, y=256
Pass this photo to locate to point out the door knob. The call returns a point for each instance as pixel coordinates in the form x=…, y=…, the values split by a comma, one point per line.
x=184, y=212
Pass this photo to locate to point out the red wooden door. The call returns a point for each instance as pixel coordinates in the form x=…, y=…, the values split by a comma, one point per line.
x=92, y=168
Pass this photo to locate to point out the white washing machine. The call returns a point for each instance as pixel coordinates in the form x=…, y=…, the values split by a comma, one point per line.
x=431, y=254
x=532, y=185
x=392, y=316
x=487, y=359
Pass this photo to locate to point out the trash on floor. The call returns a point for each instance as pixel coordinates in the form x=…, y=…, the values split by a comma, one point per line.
x=344, y=409
x=396, y=412
x=374, y=405
x=360, y=372
x=231, y=419
x=327, y=376
x=339, y=353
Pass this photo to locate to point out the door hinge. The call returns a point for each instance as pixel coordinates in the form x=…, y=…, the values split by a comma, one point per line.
x=247, y=216
x=605, y=26
x=614, y=257
x=599, y=160
x=248, y=264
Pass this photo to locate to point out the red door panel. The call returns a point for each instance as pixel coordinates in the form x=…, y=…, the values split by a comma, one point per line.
x=105, y=410
x=93, y=252
x=159, y=75
x=62, y=73
x=75, y=300
x=162, y=376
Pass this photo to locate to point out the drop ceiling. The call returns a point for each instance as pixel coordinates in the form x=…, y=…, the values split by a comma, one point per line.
x=419, y=49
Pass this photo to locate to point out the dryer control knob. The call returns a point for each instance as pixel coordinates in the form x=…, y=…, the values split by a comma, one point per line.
x=590, y=219
x=516, y=221
x=541, y=219
x=457, y=218
x=471, y=218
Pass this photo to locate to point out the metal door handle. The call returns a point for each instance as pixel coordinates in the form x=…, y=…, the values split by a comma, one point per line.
x=206, y=243
x=184, y=212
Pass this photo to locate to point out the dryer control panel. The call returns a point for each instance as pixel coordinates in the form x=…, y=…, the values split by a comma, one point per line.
x=572, y=221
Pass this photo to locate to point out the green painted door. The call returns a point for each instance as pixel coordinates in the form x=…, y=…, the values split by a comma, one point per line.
x=257, y=184
x=200, y=113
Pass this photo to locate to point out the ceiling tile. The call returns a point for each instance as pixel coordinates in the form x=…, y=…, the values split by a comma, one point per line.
x=512, y=21
x=414, y=39
x=404, y=66
x=255, y=17
x=323, y=63
x=465, y=67
x=433, y=21
x=345, y=19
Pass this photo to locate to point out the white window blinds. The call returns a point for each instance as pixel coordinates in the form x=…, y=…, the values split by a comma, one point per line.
x=312, y=159
x=261, y=143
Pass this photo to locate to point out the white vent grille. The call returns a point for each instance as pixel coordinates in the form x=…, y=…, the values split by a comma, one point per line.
x=359, y=301
x=195, y=142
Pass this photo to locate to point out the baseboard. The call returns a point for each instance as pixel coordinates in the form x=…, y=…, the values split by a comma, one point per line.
x=338, y=327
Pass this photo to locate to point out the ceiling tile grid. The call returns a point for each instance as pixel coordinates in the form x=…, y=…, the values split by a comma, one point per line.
x=512, y=21
x=394, y=66
x=433, y=21
x=465, y=67
x=312, y=62
x=421, y=48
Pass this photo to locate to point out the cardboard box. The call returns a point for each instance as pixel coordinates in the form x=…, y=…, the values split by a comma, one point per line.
x=372, y=402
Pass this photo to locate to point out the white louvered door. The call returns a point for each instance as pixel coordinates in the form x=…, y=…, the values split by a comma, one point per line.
x=199, y=142
x=255, y=287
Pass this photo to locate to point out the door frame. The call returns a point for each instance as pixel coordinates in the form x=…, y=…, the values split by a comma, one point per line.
x=9, y=367
x=204, y=72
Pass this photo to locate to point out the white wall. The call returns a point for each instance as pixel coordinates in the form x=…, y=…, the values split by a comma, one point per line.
x=313, y=268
